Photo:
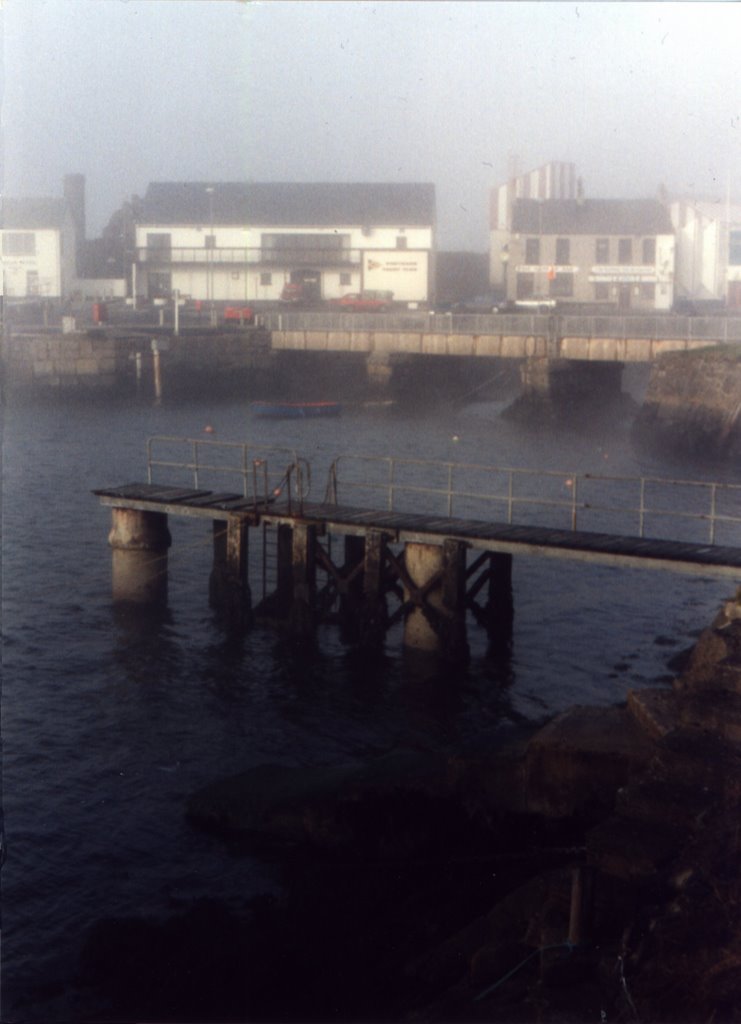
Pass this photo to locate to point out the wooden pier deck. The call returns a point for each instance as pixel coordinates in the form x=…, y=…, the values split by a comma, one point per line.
x=405, y=527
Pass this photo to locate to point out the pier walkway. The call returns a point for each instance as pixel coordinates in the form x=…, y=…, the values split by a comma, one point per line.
x=431, y=538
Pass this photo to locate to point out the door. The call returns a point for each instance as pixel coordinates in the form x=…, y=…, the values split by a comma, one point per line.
x=624, y=297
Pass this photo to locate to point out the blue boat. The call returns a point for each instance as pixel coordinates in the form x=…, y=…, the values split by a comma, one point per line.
x=295, y=410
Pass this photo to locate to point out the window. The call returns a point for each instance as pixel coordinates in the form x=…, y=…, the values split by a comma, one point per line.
x=647, y=291
x=562, y=285
x=266, y=278
x=209, y=241
x=159, y=247
x=602, y=250
x=648, y=250
x=532, y=251
x=17, y=243
x=346, y=279
x=525, y=286
x=601, y=291
x=734, y=249
x=308, y=248
x=563, y=252
x=401, y=242
x=625, y=250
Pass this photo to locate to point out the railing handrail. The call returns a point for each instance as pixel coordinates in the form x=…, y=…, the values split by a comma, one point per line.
x=394, y=486
x=291, y=481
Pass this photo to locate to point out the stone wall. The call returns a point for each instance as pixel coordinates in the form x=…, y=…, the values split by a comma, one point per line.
x=693, y=402
x=99, y=360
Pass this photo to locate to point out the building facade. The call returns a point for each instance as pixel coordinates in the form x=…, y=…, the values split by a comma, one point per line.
x=243, y=242
x=38, y=249
x=617, y=254
x=708, y=251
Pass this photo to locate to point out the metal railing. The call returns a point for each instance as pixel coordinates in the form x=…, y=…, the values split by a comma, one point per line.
x=251, y=255
x=722, y=329
x=696, y=511
x=263, y=473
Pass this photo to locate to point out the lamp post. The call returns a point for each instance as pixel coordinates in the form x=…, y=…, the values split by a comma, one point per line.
x=212, y=245
x=504, y=257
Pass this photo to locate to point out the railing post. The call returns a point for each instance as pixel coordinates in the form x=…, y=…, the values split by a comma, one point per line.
x=642, y=508
x=713, y=489
x=510, y=494
x=195, y=464
x=149, y=460
x=575, y=485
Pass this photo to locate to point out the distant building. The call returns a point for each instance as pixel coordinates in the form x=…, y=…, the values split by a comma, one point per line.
x=38, y=248
x=617, y=253
x=242, y=242
x=554, y=180
x=708, y=251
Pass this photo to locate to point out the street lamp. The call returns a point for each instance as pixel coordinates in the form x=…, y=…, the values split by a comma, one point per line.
x=211, y=247
x=504, y=257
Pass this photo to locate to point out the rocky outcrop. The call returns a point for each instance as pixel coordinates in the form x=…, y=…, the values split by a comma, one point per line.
x=693, y=402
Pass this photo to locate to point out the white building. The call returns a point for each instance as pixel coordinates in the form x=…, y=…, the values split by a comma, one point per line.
x=38, y=249
x=242, y=242
x=708, y=250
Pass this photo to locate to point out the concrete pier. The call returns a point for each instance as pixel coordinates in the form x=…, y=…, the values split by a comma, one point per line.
x=140, y=541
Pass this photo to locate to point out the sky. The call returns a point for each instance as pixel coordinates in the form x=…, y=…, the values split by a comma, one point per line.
x=126, y=92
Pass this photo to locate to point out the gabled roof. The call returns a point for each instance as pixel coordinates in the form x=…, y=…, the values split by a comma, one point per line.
x=32, y=214
x=591, y=217
x=287, y=204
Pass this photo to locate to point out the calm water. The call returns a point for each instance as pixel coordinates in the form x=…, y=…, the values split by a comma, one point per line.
x=109, y=724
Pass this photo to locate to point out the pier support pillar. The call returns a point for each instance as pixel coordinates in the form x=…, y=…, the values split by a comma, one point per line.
x=436, y=622
x=301, y=615
x=373, y=613
x=499, y=611
x=140, y=541
x=565, y=388
x=229, y=590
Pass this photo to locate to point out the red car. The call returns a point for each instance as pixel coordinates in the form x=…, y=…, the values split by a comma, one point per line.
x=364, y=302
x=242, y=314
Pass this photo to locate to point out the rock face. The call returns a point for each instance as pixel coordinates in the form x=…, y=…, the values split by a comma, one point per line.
x=693, y=402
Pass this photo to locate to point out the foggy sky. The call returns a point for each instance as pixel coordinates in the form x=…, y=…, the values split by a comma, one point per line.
x=455, y=93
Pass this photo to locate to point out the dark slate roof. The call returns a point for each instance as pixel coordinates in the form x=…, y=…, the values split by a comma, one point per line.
x=30, y=214
x=591, y=217
x=319, y=204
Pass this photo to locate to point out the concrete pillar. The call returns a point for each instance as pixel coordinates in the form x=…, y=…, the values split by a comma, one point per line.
x=437, y=623
x=380, y=370
x=301, y=615
x=140, y=541
x=229, y=589
x=562, y=382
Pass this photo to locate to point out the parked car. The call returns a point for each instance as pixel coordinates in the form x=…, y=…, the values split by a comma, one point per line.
x=486, y=303
x=363, y=302
x=240, y=314
x=304, y=293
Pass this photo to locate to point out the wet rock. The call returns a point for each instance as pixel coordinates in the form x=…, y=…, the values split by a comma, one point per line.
x=382, y=801
x=715, y=661
x=655, y=710
x=576, y=764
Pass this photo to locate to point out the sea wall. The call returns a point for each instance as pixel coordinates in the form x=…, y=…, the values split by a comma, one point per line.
x=96, y=360
x=693, y=402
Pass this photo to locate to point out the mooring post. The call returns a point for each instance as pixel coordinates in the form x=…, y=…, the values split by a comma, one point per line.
x=140, y=541
x=301, y=615
x=228, y=585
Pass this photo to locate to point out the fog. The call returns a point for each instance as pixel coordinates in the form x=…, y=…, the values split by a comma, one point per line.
x=636, y=94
